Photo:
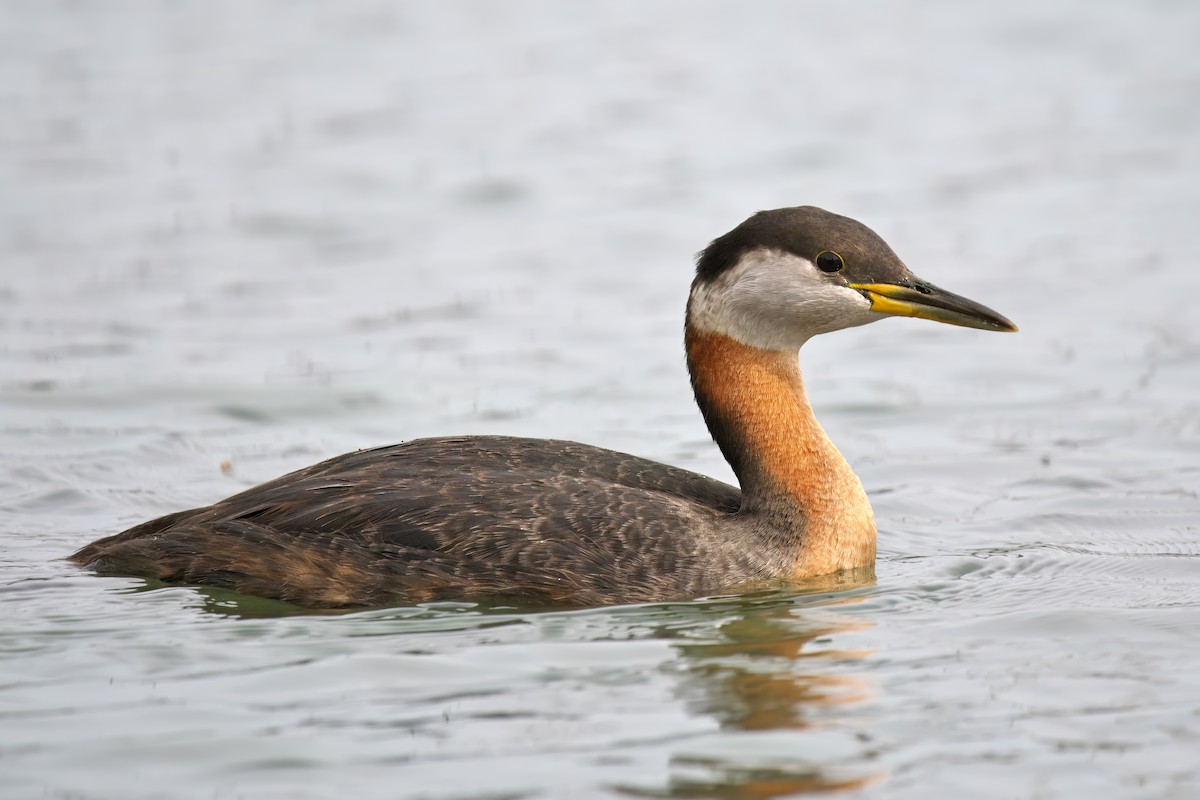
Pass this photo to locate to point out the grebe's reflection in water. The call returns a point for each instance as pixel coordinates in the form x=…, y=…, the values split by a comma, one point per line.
x=778, y=680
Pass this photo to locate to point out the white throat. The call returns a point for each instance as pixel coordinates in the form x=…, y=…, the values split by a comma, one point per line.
x=774, y=300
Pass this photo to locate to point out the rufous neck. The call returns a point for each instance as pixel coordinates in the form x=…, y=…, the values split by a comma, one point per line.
x=754, y=403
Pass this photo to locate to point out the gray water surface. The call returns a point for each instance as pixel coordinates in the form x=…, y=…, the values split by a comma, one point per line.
x=236, y=238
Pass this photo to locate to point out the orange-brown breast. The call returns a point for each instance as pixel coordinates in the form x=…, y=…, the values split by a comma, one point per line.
x=786, y=455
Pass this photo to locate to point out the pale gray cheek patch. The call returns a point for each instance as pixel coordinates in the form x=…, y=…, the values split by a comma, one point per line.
x=776, y=301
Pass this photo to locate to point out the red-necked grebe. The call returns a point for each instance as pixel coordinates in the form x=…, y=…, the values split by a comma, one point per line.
x=474, y=517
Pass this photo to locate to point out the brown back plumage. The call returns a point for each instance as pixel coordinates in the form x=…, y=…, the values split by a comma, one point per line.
x=462, y=517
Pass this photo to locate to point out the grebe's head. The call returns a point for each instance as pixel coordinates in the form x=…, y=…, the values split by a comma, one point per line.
x=784, y=276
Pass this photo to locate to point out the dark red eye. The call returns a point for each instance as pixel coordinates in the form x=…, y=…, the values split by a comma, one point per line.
x=829, y=261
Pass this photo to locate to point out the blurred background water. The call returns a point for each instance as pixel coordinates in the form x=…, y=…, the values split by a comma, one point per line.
x=236, y=238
